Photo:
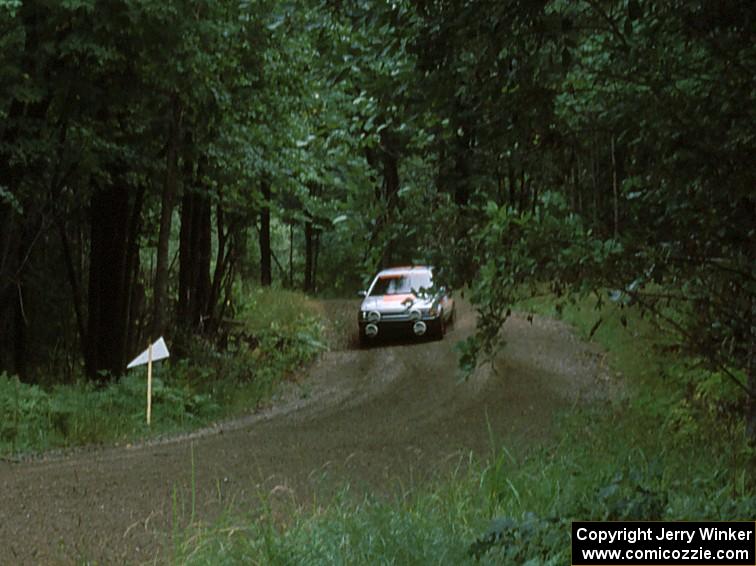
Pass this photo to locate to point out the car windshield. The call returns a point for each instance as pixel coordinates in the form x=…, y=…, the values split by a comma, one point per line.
x=403, y=283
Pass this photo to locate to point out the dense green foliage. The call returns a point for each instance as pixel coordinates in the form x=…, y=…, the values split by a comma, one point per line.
x=158, y=158
x=603, y=145
x=638, y=460
x=155, y=155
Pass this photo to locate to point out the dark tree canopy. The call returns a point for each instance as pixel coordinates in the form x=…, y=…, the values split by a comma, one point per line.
x=155, y=154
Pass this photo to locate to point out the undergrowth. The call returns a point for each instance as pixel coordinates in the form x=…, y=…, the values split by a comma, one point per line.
x=277, y=332
x=637, y=458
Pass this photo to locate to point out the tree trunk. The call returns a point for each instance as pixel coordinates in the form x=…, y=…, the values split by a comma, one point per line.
x=578, y=184
x=308, y=256
x=194, y=259
x=315, y=254
x=594, y=178
x=204, y=254
x=19, y=321
x=223, y=259
x=266, y=275
x=129, y=313
x=291, y=255
x=74, y=281
x=615, y=189
x=501, y=193
x=170, y=188
x=108, y=281
x=186, y=249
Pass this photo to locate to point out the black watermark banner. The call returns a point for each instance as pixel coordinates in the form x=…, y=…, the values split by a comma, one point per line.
x=646, y=543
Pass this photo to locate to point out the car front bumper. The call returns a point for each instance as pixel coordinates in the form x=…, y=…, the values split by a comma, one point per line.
x=397, y=325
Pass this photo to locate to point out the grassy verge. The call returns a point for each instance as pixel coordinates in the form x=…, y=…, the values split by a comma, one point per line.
x=637, y=458
x=278, y=331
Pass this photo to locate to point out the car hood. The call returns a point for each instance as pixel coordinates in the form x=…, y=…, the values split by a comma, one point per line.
x=395, y=303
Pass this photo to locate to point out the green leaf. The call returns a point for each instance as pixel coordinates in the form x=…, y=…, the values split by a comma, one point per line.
x=10, y=199
x=276, y=23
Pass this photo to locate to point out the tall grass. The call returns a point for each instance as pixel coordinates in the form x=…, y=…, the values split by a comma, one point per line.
x=424, y=529
x=36, y=419
x=631, y=459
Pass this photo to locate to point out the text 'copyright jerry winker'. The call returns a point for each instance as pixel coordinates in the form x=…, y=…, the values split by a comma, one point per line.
x=664, y=543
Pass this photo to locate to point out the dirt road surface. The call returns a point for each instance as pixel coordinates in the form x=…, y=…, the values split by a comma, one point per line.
x=394, y=414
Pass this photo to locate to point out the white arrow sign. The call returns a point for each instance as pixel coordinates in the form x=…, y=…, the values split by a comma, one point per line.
x=159, y=352
x=156, y=351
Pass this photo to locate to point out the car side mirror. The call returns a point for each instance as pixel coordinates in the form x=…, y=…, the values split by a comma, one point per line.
x=362, y=293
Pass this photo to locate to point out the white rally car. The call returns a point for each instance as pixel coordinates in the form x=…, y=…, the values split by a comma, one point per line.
x=405, y=299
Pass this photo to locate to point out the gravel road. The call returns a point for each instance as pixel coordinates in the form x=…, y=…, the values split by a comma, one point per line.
x=390, y=415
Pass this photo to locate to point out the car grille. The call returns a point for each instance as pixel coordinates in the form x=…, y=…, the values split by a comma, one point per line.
x=395, y=316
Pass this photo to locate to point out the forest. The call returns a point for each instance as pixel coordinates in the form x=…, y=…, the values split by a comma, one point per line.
x=159, y=158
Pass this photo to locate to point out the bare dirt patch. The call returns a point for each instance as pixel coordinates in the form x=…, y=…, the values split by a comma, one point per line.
x=394, y=414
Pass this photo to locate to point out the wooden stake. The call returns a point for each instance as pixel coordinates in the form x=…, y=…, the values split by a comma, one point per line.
x=149, y=382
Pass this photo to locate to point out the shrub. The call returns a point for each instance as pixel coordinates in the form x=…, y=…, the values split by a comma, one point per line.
x=278, y=332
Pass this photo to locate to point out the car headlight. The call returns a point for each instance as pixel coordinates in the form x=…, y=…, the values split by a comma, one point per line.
x=415, y=314
x=373, y=316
